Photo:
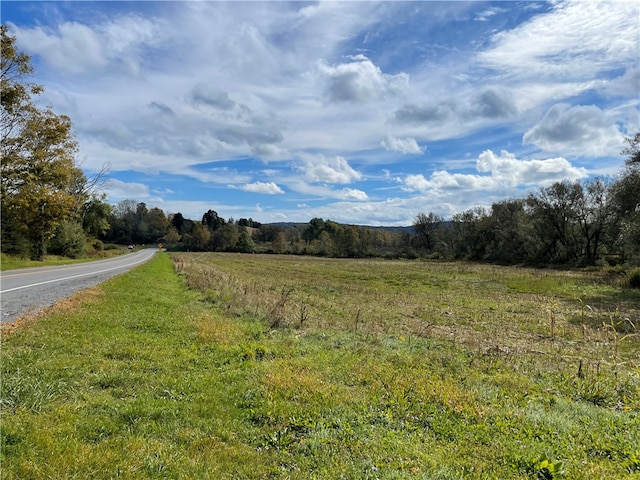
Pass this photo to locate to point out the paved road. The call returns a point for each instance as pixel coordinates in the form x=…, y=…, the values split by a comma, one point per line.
x=31, y=289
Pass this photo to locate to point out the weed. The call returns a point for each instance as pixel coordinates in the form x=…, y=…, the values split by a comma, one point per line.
x=545, y=469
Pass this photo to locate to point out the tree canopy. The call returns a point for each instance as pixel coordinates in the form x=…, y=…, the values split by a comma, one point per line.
x=42, y=187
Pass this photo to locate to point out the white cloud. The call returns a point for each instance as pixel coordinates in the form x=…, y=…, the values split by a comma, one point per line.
x=506, y=169
x=627, y=84
x=322, y=169
x=417, y=182
x=402, y=145
x=579, y=130
x=117, y=190
x=505, y=172
x=574, y=40
x=77, y=48
x=269, y=188
x=361, y=81
x=352, y=194
x=203, y=94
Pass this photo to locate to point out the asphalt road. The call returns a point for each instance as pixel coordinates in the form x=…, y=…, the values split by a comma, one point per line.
x=32, y=289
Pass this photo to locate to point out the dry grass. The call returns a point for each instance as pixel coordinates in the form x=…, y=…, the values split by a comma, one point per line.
x=530, y=316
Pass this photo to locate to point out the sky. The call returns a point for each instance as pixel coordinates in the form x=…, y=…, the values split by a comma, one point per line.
x=360, y=112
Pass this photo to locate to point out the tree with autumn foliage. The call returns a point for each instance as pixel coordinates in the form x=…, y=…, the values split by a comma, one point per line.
x=42, y=187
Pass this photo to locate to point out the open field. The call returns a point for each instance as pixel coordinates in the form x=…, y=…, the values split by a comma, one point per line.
x=295, y=367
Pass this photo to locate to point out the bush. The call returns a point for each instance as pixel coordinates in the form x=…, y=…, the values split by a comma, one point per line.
x=634, y=278
x=97, y=245
x=69, y=241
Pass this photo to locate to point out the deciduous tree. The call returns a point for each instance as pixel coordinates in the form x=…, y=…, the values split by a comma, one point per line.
x=41, y=185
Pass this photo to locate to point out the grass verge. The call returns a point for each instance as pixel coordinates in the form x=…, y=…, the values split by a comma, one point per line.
x=144, y=378
x=12, y=262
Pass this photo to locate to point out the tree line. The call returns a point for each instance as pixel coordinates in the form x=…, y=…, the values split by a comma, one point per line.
x=50, y=206
x=567, y=223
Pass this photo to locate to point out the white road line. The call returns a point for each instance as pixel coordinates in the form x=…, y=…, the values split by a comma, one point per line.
x=73, y=276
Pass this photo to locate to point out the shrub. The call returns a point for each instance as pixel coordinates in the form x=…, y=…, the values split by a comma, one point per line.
x=70, y=241
x=634, y=278
x=97, y=245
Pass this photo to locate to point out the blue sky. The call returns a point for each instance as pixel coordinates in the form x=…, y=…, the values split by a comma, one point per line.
x=359, y=112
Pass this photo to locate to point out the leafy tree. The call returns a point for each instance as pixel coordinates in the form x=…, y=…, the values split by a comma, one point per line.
x=633, y=150
x=626, y=201
x=245, y=243
x=96, y=214
x=324, y=244
x=464, y=234
x=157, y=225
x=124, y=221
x=225, y=238
x=312, y=232
x=279, y=243
x=41, y=185
x=595, y=210
x=212, y=220
x=177, y=220
x=198, y=238
x=172, y=236
x=243, y=222
x=554, y=214
x=425, y=227
x=508, y=230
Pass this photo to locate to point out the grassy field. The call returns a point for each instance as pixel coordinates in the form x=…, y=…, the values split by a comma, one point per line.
x=250, y=366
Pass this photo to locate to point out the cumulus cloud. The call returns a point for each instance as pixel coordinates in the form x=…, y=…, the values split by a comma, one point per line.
x=580, y=130
x=360, y=81
x=351, y=194
x=507, y=169
x=402, y=145
x=269, y=188
x=504, y=171
x=322, y=169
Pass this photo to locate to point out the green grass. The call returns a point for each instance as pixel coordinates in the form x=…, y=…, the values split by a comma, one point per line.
x=12, y=262
x=324, y=369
